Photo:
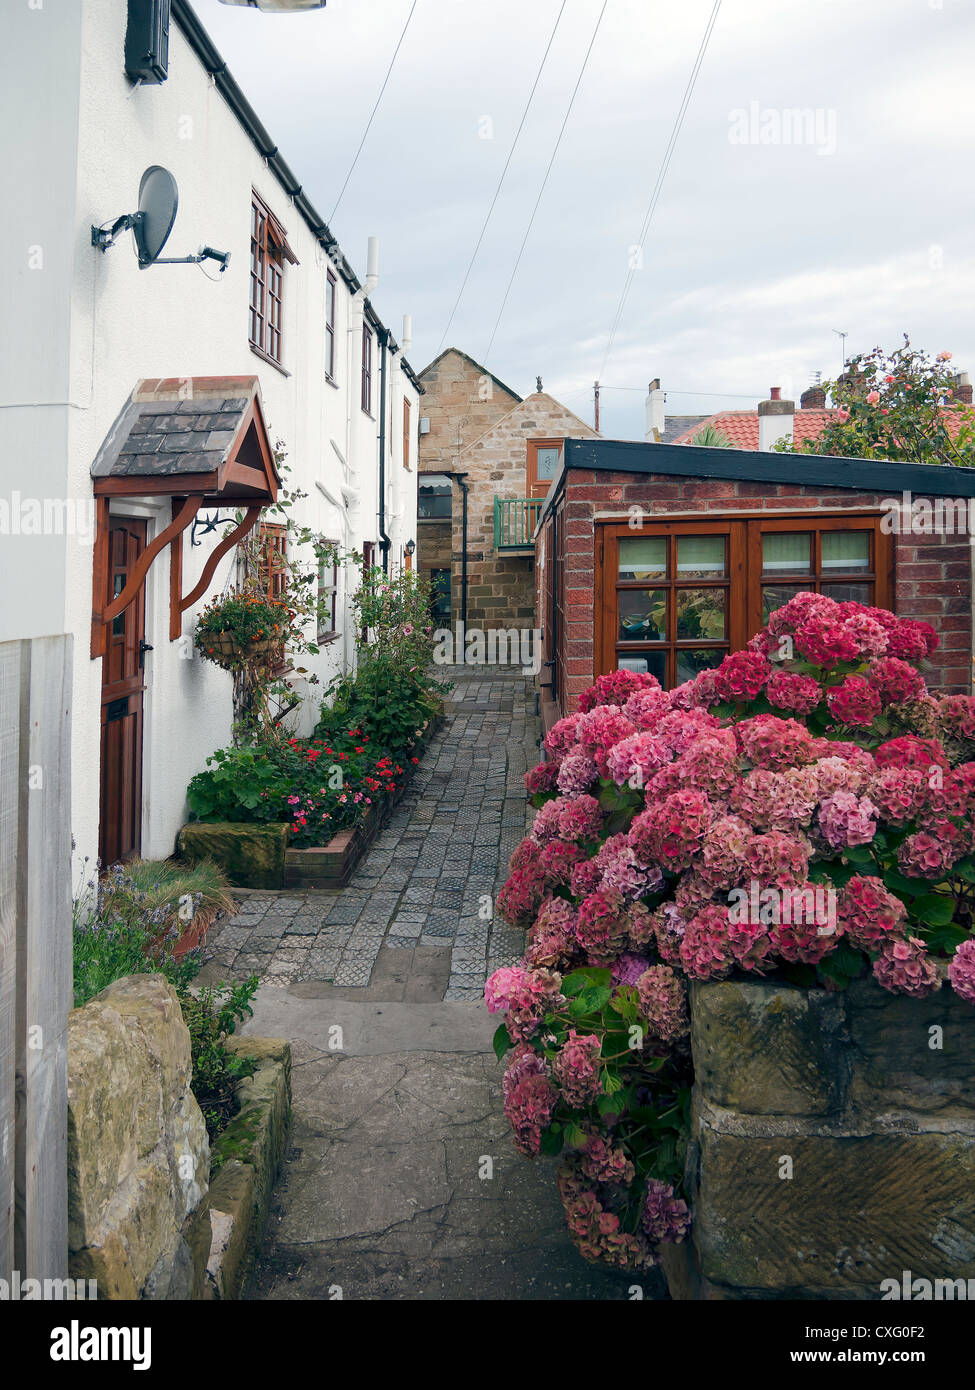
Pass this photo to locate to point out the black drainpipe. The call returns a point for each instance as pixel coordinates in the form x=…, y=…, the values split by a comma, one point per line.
x=384, y=541
x=463, y=554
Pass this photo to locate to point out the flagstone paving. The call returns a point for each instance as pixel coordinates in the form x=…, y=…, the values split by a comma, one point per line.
x=402, y=1181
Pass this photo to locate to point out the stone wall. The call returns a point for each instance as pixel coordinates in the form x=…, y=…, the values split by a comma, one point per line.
x=138, y=1154
x=832, y=1142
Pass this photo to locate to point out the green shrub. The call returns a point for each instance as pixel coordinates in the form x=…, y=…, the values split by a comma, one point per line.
x=123, y=928
x=212, y=1016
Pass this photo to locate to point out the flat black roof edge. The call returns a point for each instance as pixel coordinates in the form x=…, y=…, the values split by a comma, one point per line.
x=750, y=465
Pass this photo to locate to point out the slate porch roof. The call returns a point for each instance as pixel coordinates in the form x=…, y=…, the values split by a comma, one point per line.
x=160, y=433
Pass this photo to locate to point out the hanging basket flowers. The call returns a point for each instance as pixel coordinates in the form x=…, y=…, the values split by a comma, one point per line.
x=239, y=628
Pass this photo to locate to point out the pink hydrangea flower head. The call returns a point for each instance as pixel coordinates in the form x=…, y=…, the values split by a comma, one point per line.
x=616, y=688
x=666, y=1219
x=904, y=967
x=705, y=950
x=770, y=742
x=663, y=1003
x=576, y=773
x=528, y=1106
x=669, y=833
x=646, y=707
x=541, y=778
x=741, y=676
x=790, y=691
x=634, y=760
x=601, y=925
x=576, y=1068
x=845, y=820
x=895, y=681
x=869, y=913
x=854, y=702
x=961, y=971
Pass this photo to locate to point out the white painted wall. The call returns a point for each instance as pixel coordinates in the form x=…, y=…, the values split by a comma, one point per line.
x=126, y=324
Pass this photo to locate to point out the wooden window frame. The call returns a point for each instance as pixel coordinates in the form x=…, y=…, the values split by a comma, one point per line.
x=742, y=582
x=366, y=397
x=269, y=250
x=407, y=424
x=331, y=286
x=273, y=541
x=331, y=633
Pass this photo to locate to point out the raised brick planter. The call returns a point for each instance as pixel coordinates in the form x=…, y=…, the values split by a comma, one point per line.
x=256, y=856
x=332, y=865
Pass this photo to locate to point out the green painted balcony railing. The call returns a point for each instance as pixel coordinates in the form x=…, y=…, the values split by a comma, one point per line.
x=514, y=521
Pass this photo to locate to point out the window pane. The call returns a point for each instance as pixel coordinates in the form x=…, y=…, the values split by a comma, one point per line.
x=689, y=663
x=786, y=553
x=643, y=557
x=846, y=551
x=701, y=557
x=775, y=595
x=654, y=662
x=849, y=593
x=701, y=613
x=642, y=615
x=547, y=461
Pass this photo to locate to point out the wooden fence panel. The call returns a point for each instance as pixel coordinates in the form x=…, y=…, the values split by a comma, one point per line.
x=35, y=948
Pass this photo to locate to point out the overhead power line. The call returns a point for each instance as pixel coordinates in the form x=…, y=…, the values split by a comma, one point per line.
x=662, y=174
x=504, y=171
x=373, y=112
x=565, y=121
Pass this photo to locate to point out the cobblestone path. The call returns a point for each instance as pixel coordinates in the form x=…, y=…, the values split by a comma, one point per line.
x=426, y=878
x=402, y=1181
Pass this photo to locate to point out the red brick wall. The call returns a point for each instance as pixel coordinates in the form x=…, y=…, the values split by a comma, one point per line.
x=932, y=573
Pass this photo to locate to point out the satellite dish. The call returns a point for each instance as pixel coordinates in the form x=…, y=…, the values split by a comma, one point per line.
x=158, y=201
x=152, y=224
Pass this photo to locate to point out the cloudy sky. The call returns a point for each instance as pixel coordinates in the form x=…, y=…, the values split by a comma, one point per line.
x=770, y=231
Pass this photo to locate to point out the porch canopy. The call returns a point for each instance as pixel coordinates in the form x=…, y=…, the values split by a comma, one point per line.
x=201, y=441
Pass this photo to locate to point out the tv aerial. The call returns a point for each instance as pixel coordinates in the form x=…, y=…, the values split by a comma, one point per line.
x=152, y=224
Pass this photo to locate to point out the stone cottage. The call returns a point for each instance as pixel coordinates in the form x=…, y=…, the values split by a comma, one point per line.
x=487, y=458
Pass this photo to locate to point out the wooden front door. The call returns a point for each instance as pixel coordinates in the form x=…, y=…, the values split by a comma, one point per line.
x=544, y=458
x=123, y=686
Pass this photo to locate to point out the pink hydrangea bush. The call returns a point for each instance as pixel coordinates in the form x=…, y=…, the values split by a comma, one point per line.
x=806, y=809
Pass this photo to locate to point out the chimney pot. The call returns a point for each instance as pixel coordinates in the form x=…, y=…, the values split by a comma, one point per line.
x=775, y=393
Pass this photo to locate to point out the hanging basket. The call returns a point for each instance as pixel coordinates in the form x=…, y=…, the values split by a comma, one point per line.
x=227, y=649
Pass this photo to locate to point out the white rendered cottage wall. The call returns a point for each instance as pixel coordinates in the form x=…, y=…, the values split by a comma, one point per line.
x=172, y=321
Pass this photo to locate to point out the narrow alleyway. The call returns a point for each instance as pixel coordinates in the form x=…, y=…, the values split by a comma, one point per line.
x=402, y=1180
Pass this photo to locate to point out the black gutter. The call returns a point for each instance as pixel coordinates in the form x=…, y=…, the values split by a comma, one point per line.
x=204, y=48
x=382, y=337
x=748, y=465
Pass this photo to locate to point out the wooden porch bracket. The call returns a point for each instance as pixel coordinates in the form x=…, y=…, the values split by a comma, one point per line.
x=179, y=605
x=101, y=617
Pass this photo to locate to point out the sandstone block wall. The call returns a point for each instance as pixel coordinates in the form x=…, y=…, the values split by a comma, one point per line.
x=832, y=1142
x=138, y=1153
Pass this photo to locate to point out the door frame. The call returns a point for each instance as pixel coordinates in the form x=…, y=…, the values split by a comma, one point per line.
x=535, y=486
x=129, y=686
